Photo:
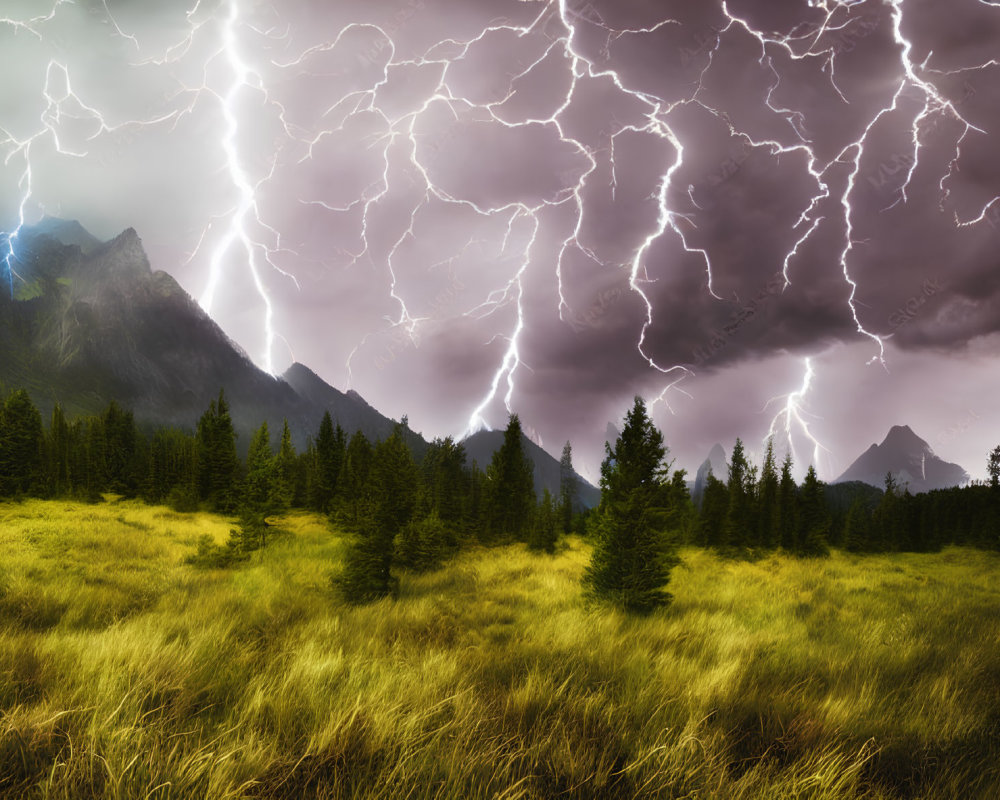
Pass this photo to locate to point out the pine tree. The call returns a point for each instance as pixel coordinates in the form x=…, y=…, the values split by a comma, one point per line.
x=788, y=507
x=259, y=471
x=59, y=454
x=353, y=479
x=510, y=489
x=120, y=450
x=637, y=460
x=632, y=557
x=393, y=481
x=251, y=535
x=568, y=488
x=422, y=544
x=767, y=500
x=993, y=511
x=22, y=446
x=282, y=492
x=330, y=453
x=886, y=521
x=95, y=469
x=385, y=508
x=218, y=465
x=475, y=513
x=740, y=529
x=857, y=527
x=172, y=470
x=714, y=506
x=544, y=532
x=993, y=467
x=680, y=509
x=445, y=481
x=814, y=519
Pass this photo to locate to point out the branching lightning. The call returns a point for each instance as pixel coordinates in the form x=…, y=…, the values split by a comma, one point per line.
x=230, y=41
x=792, y=416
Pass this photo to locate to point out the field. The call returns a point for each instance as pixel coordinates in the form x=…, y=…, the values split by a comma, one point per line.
x=127, y=673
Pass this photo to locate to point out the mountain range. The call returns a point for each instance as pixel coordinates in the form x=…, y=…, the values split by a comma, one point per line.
x=87, y=322
x=909, y=458
x=911, y=461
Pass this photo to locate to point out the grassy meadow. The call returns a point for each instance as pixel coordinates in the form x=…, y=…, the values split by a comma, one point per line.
x=127, y=673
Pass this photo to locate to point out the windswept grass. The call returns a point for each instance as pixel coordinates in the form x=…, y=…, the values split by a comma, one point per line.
x=126, y=673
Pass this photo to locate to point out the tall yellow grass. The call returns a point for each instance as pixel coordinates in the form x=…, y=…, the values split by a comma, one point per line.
x=126, y=673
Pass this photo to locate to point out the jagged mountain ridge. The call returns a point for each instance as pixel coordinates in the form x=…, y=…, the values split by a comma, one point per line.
x=911, y=461
x=89, y=322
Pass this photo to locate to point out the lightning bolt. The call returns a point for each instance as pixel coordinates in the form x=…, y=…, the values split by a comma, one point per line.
x=62, y=105
x=792, y=415
x=236, y=234
x=236, y=56
x=67, y=104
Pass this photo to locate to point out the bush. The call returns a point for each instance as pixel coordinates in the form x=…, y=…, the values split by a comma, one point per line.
x=251, y=535
x=212, y=556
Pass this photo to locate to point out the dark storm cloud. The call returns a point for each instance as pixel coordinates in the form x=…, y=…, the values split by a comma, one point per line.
x=539, y=155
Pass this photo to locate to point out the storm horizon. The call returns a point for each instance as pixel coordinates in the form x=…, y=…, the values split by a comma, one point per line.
x=762, y=217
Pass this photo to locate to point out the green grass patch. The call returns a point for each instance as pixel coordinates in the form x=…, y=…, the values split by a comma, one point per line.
x=127, y=673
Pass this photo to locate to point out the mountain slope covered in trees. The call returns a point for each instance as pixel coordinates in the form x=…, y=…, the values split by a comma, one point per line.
x=88, y=323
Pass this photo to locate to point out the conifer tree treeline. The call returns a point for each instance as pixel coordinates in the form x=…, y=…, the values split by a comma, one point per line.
x=757, y=511
x=399, y=512
x=749, y=515
x=420, y=513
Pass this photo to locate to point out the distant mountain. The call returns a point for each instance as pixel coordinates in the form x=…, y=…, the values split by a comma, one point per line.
x=90, y=322
x=482, y=445
x=910, y=460
x=716, y=463
x=66, y=231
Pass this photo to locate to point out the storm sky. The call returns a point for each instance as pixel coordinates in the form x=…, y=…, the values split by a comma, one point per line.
x=457, y=207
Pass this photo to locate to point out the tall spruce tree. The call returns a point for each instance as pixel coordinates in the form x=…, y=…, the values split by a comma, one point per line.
x=545, y=531
x=887, y=519
x=767, y=500
x=475, y=513
x=632, y=558
x=788, y=507
x=387, y=505
x=353, y=479
x=568, y=488
x=22, y=446
x=740, y=529
x=445, y=482
x=680, y=508
x=510, y=487
x=330, y=447
x=58, y=451
x=259, y=471
x=283, y=484
x=172, y=469
x=814, y=518
x=712, y=518
x=993, y=467
x=857, y=527
x=218, y=465
x=95, y=465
